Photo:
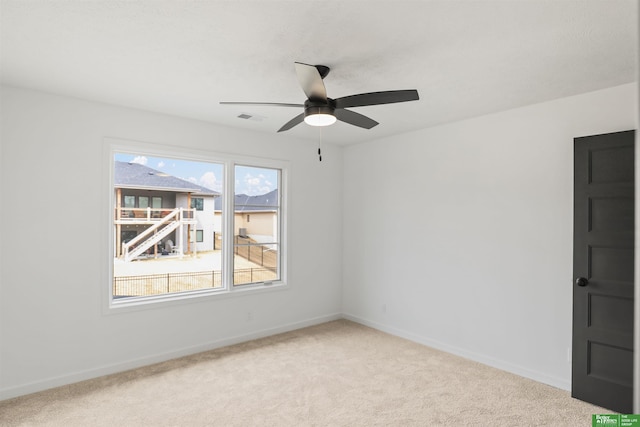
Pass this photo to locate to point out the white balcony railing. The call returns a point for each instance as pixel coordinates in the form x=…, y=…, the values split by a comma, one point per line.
x=128, y=215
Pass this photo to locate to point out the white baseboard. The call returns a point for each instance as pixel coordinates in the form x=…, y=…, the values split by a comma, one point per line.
x=73, y=377
x=486, y=360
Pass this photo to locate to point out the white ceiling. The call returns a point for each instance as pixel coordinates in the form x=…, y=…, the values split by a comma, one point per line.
x=181, y=57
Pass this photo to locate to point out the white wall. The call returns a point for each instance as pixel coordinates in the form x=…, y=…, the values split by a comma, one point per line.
x=484, y=271
x=52, y=326
x=483, y=266
x=205, y=222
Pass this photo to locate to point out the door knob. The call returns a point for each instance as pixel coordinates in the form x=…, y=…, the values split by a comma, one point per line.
x=581, y=281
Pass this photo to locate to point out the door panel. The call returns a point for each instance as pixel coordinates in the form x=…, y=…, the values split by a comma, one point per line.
x=611, y=214
x=610, y=363
x=610, y=313
x=605, y=162
x=611, y=264
x=602, y=368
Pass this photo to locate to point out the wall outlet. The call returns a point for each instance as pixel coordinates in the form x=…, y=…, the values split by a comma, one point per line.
x=249, y=316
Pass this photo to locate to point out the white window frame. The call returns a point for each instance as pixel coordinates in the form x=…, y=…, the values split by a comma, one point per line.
x=278, y=219
x=229, y=161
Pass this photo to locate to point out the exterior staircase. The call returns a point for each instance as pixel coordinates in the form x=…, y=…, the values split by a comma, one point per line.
x=151, y=236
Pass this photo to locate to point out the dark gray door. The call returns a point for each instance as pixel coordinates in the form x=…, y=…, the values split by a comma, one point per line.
x=603, y=264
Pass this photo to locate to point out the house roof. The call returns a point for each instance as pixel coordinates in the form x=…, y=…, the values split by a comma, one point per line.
x=134, y=175
x=246, y=203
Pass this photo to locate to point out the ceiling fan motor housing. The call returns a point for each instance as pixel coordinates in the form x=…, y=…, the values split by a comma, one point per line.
x=319, y=107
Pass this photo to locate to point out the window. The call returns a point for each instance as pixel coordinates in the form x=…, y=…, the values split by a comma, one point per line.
x=197, y=203
x=257, y=242
x=170, y=246
x=143, y=202
x=128, y=235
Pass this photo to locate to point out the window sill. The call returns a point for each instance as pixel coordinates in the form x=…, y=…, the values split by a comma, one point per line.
x=126, y=305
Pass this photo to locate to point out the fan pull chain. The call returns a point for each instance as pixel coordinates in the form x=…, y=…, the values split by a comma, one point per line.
x=319, y=146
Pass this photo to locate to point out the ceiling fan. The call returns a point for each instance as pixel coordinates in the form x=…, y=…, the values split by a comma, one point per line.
x=320, y=110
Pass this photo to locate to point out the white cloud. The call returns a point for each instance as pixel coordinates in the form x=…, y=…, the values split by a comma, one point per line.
x=192, y=179
x=255, y=185
x=210, y=181
x=141, y=160
x=160, y=164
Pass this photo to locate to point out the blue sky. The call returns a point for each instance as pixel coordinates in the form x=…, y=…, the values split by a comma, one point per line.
x=249, y=180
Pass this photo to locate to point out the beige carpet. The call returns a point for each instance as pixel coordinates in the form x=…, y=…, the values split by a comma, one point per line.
x=335, y=374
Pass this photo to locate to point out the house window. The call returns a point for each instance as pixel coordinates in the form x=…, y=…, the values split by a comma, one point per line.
x=257, y=246
x=197, y=203
x=128, y=235
x=160, y=256
x=163, y=240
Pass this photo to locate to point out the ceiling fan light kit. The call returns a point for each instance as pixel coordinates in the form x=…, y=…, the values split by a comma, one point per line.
x=320, y=119
x=319, y=114
x=320, y=110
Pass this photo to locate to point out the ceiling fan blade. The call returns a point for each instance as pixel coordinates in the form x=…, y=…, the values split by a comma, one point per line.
x=272, y=104
x=377, y=98
x=354, y=118
x=293, y=122
x=311, y=81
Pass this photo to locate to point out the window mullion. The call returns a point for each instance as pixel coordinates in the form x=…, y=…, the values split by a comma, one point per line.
x=228, y=225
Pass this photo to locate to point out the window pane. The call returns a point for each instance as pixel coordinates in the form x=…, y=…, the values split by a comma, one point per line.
x=172, y=250
x=197, y=203
x=257, y=225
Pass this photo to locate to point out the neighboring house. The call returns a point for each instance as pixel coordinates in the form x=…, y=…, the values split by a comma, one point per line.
x=255, y=216
x=157, y=213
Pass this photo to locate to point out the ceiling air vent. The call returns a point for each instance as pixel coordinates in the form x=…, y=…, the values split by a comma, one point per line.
x=253, y=117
